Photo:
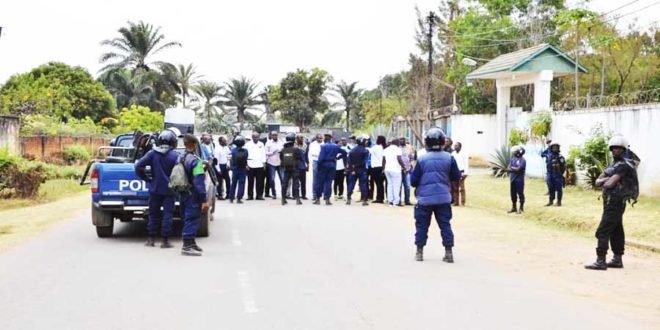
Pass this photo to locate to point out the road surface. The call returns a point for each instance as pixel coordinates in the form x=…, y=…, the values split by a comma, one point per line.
x=295, y=267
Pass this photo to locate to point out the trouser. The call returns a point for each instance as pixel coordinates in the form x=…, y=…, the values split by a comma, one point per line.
x=160, y=218
x=315, y=179
x=191, y=211
x=610, y=229
x=378, y=178
x=237, y=180
x=324, y=182
x=352, y=178
x=458, y=190
x=294, y=177
x=339, y=183
x=272, y=170
x=224, y=183
x=393, y=186
x=256, y=174
x=518, y=191
x=302, y=176
x=443, y=216
x=555, y=186
x=405, y=185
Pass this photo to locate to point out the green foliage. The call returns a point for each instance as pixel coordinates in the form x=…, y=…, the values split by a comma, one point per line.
x=350, y=98
x=139, y=118
x=46, y=125
x=57, y=90
x=299, y=97
x=240, y=97
x=75, y=154
x=19, y=176
x=500, y=161
x=540, y=124
x=517, y=136
x=593, y=155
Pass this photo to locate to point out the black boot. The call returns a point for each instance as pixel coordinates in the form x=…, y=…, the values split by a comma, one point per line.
x=513, y=209
x=550, y=202
x=559, y=202
x=419, y=255
x=348, y=201
x=365, y=203
x=165, y=244
x=151, y=241
x=188, y=248
x=317, y=202
x=327, y=202
x=449, y=256
x=521, y=210
x=616, y=262
x=298, y=201
x=284, y=202
x=598, y=265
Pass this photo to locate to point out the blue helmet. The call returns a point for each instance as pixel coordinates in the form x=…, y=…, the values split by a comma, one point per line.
x=434, y=139
x=239, y=141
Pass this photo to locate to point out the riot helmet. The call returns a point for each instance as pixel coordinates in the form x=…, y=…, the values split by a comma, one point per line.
x=290, y=137
x=239, y=141
x=434, y=139
x=166, y=141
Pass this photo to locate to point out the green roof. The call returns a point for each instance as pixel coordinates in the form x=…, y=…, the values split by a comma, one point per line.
x=533, y=59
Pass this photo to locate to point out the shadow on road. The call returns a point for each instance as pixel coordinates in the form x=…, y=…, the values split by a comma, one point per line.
x=136, y=230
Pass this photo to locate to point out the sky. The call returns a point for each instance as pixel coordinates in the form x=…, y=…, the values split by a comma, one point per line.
x=354, y=40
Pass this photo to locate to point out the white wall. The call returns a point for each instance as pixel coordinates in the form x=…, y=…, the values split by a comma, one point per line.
x=477, y=133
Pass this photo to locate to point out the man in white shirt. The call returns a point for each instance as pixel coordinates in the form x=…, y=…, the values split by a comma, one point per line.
x=221, y=158
x=376, y=170
x=461, y=158
x=256, y=167
x=394, y=171
x=314, y=151
x=273, y=148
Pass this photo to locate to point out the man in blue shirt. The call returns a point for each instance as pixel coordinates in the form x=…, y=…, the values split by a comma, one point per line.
x=516, y=169
x=327, y=165
x=194, y=202
x=433, y=176
x=161, y=160
x=357, y=169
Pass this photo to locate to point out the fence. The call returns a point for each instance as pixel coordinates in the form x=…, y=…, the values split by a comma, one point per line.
x=9, y=128
x=50, y=147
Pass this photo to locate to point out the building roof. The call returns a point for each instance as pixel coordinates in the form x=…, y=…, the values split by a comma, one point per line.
x=533, y=59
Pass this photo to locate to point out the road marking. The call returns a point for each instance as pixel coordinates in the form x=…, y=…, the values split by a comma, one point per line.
x=249, y=304
x=236, y=238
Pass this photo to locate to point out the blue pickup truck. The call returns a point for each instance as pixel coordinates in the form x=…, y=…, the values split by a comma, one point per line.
x=118, y=193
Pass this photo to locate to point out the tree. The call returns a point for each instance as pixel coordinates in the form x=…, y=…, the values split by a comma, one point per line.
x=129, y=88
x=209, y=94
x=135, y=47
x=139, y=118
x=240, y=95
x=300, y=96
x=350, y=96
x=56, y=89
x=184, y=77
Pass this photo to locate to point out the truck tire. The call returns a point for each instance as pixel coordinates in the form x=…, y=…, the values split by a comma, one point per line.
x=104, y=232
x=203, y=230
x=104, y=222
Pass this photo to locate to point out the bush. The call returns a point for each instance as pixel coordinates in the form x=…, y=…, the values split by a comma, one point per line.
x=500, y=161
x=139, y=118
x=7, y=161
x=23, y=177
x=75, y=154
x=517, y=136
x=48, y=125
x=540, y=124
x=593, y=155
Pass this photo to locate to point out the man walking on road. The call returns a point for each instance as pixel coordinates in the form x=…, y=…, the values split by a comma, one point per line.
x=256, y=167
x=327, y=165
x=463, y=166
x=394, y=171
x=161, y=160
x=193, y=203
x=432, y=176
x=620, y=185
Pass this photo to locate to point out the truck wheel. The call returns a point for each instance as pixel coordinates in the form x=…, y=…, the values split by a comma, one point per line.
x=104, y=231
x=203, y=230
x=104, y=222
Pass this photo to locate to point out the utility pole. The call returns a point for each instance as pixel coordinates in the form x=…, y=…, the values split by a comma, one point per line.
x=431, y=20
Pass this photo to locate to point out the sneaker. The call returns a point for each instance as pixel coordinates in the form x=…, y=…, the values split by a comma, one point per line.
x=378, y=202
x=188, y=250
x=196, y=247
x=365, y=203
x=151, y=242
x=409, y=204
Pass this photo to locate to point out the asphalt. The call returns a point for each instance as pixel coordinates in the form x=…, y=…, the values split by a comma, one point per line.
x=271, y=267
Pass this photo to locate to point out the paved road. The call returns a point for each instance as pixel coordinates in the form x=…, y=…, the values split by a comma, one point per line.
x=272, y=267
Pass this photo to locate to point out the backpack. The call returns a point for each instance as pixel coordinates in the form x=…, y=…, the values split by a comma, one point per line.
x=241, y=158
x=289, y=158
x=179, y=181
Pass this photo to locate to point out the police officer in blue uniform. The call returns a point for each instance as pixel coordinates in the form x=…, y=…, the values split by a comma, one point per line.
x=556, y=166
x=239, y=156
x=194, y=202
x=356, y=169
x=433, y=176
x=327, y=165
x=516, y=170
x=161, y=160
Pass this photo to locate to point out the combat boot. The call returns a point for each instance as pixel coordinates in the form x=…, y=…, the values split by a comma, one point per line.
x=550, y=203
x=327, y=202
x=559, y=202
x=521, y=210
x=365, y=202
x=616, y=262
x=284, y=202
x=151, y=242
x=298, y=201
x=449, y=256
x=348, y=201
x=317, y=202
x=513, y=209
x=165, y=244
x=598, y=265
x=419, y=255
x=188, y=248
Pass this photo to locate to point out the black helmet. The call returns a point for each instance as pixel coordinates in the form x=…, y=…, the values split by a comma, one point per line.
x=360, y=140
x=434, y=139
x=290, y=137
x=239, y=141
x=167, y=140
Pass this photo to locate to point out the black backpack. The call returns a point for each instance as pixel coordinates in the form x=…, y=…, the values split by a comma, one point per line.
x=241, y=158
x=289, y=158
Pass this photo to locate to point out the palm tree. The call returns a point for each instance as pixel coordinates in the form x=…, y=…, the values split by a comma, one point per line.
x=350, y=96
x=241, y=96
x=136, y=45
x=183, y=77
x=209, y=94
x=129, y=88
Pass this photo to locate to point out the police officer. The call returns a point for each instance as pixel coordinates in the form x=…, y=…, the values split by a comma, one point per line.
x=620, y=185
x=516, y=170
x=290, y=159
x=556, y=166
x=432, y=176
x=194, y=202
x=161, y=160
x=327, y=165
x=239, y=157
x=356, y=169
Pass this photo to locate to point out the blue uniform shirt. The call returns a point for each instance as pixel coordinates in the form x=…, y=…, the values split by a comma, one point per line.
x=196, y=174
x=432, y=176
x=161, y=169
x=522, y=164
x=357, y=159
x=329, y=153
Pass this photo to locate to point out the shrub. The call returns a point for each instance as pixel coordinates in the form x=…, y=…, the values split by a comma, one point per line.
x=593, y=155
x=500, y=161
x=517, y=136
x=7, y=161
x=24, y=177
x=75, y=154
x=541, y=124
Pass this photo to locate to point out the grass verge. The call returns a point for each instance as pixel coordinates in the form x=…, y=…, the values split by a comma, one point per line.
x=50, y=191
x=581, y=210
